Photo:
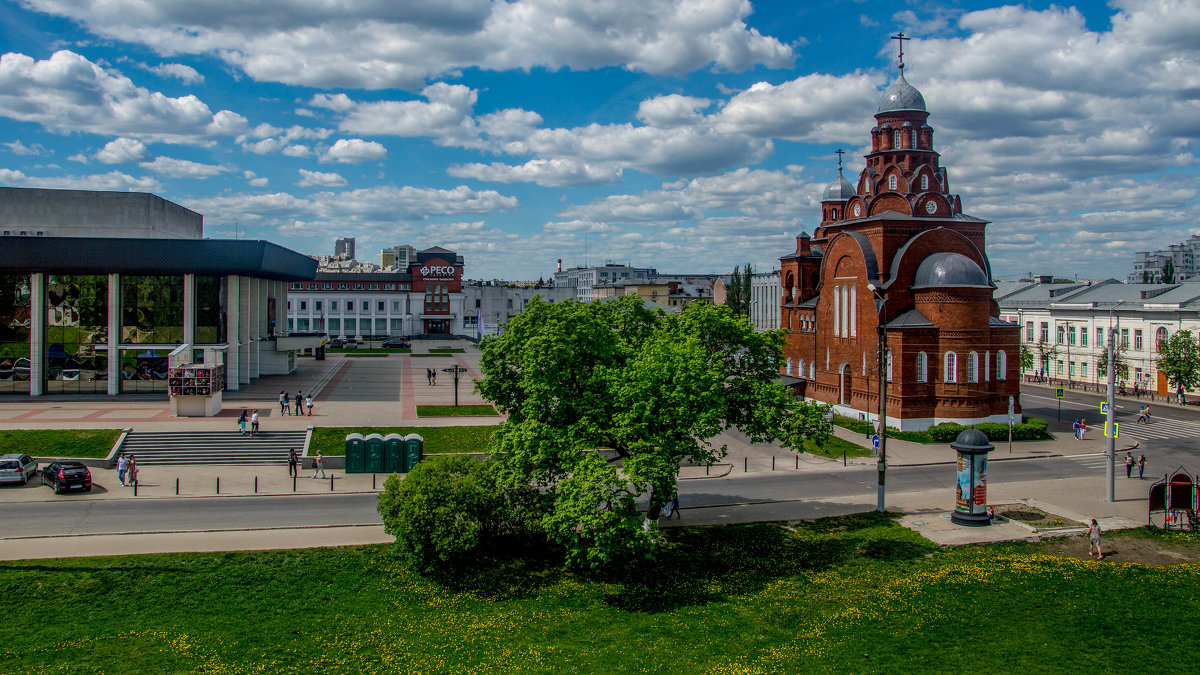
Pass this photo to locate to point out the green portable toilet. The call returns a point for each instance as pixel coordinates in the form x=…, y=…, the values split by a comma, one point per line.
x=414, y=450
x=394, y=444
x=354, y=453
x=374, y=449
x=376, y=456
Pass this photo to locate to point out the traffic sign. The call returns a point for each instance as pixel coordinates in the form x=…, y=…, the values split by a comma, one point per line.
x=1060, y=393
x=875, y=441
x=1116, y=429
x=1104, y=408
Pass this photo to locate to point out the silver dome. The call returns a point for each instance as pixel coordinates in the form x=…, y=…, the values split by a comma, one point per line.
x=949, y=269
x=901, y=96
x=839, y=190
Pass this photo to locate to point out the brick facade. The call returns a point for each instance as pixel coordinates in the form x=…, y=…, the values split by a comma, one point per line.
x=897, y=248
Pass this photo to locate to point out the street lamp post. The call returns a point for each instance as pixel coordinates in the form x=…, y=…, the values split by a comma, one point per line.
x=881, y=331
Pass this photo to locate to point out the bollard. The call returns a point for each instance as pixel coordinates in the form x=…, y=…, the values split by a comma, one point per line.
x=218, y=485
x=135, y=488
x=745, y=464
x=294, y=481
x=331, y=482
x=707, y=467
x=176, y=486
x=256, y=485
x=772, y=462
x=797, y=461
x=373, y=480
x=843, y=458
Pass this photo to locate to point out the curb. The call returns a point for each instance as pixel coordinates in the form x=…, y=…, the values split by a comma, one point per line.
x=728, y=470
x=58, y=499
x=202, y=531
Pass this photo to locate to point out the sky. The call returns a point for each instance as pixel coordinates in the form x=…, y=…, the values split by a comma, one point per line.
x=686, y=135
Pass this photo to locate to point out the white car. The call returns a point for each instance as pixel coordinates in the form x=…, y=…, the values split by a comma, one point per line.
x=17, y=468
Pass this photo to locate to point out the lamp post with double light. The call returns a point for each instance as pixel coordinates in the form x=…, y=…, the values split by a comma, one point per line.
x=882, y=368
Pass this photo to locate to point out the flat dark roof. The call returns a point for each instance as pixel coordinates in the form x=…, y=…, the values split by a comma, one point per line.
x=87, y=255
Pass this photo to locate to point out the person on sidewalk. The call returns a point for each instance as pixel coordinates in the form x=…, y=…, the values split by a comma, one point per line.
x=675, y=506
x=318, y=465
x=991, y=514
x=429, y=377
x=1141, y=465
x=1136, y=393
x=253, y=424
x=1182, y=401
x=1094, y=539
x=1075, y=428
x=308, y=403
x=131, y=474
x=122, y=468
x=299, y=402
x=242, y=421
x=283, y=402
x=1082, y=428
x=1128, y=465
x=667, y=511
x=293, y=462
x=433, y=373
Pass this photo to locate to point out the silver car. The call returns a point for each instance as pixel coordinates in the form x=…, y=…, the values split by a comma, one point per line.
x=16, y=468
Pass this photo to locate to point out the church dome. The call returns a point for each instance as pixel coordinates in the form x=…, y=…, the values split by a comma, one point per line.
x=901, y=96
x=949, y=269
x=839, y=190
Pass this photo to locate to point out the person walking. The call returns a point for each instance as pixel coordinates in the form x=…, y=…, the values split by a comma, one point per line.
x=299, y=402
x=293, y=462
x=131, y=474
x=308, y=403
x=1128, y=465
x=283, y=402
x=675, y=506
x=429, y=377
x=318, y=465
x=1094, y=539
x=1182, y=401
x=1082, y=428
x=1075, y=427
x=433, y=372
x=242, y=421
x=122, y=468
x=1141, y=418
x=253, y=424
x=1141, y=462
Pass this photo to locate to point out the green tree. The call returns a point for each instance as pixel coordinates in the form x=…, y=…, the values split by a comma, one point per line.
x=1122, y=365
x=1179, y=360
x=733, y=297
x=1168, y=272
x=649, y=390
x=1026, y=358
x=747, y=289
x=1046, y=352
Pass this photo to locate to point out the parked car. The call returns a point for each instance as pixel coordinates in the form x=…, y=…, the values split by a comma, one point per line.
x=336, y=342
x=396, y=343
x=67, y=476
x=17, y=468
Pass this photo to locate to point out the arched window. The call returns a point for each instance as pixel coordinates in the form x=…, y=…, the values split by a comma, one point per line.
x=812, y=370
x=896, y=139
x=800, y=371
x=892, y=183
x=1160, y=336
x=1001, y=366
x=853, y=311
x=789, y=366
x=925, y=182
x=889, y=365
x=987, y=366
x=837, y=316
x=950, y=365
x=972, y=367
x=922, y=367
x=834, y=211
x=914, y=138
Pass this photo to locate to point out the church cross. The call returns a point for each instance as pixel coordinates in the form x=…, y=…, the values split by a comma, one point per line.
x=839, y=153
x=899, y=37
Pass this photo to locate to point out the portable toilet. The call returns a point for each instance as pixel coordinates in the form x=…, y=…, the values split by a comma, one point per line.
x=354, y=453
x=414, y=451
x=375, y=450
x=394, y=463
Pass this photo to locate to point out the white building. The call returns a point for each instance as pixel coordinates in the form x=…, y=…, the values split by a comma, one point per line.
x=1185, y=258
x=489, y=307
x=582, y=279
x=765, y=299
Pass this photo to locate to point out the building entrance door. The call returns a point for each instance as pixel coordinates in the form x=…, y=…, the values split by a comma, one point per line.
x=437, y=326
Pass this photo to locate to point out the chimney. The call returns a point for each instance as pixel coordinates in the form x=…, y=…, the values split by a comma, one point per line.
x=560, y=265
x=802, y=244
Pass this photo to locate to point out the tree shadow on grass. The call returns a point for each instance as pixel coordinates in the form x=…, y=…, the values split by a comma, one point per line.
x=710, y=564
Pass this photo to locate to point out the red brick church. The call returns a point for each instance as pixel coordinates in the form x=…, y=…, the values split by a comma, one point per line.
x=896, y=248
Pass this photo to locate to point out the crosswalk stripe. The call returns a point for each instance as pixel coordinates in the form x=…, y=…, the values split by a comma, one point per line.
x=1161, y=429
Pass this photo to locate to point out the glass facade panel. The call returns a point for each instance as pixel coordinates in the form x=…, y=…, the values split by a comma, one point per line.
x=350, y=327
x=144, y=371
x=151, y=310
x=380, y=326
x=211, y=310
x=14, y=333
x=335, y=325
x=76, y=323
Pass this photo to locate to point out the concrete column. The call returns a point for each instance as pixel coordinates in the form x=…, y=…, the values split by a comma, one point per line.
x=233, y=314
x=189, y=309
x=37, y=333
x=114, y=334
x=244, y=330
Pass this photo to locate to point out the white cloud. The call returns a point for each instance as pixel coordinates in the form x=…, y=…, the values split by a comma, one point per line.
x=67, y=93
x=354, y=151
x=672, y=110
x=335, y=102
x=182, y=168
x=445, y=116
x=19, y=148
x=113, y=180
x=185, y=74
x=121, y=151
x=297, y=150
x=385, y=45
x=545, y=172
x=259, y=182
x=309, y=178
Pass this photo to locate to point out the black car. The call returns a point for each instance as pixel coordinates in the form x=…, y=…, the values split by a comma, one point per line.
x=396, y=342
x=67, y=476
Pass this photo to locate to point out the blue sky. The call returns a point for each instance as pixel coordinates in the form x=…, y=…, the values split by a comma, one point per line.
x=684, y=135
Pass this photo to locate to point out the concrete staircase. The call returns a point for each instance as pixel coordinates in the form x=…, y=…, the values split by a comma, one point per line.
x=212, y=447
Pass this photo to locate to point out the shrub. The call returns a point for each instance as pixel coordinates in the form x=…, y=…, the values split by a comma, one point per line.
x=1033, y=429
x=945, y=432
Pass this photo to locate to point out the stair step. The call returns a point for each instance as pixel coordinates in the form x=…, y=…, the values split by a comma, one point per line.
x=213, y=447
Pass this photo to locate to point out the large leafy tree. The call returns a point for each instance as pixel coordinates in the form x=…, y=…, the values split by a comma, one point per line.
x=1179, y=360
x=734, y=294
x=1026, y=358
x=1168, y=272
x=607, y=399
x=1119, y=360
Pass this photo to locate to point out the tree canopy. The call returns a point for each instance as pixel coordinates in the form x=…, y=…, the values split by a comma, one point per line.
x=1179, y=360
x=607, y=399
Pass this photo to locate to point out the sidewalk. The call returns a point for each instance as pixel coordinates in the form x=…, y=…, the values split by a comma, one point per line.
x=1157, y=400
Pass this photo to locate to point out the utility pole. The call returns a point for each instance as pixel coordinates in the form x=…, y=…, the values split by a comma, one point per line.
x=882, y=339
x=1110, y=425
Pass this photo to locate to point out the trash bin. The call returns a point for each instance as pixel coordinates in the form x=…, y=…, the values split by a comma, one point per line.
x=414, y=451
x=319, y=354
x=354, y=453
x=394, y=463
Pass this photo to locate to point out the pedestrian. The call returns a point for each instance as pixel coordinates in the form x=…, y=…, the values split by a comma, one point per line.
x=433, y=372
x=131, y=474
x=991, y=514
x=1082, y=428
x=429, y=377
x=1136, y=393
x=675, y=506
x=299, y=402
x=253, y=424
x=283, y=402
x=242, y=421
x=1141, y=465
x=308, y=403
x=1094, y=538
x=1075, y=428
x=318, y=465
x=1128, y=465
x=667, y=510
x=1141, y=418
x=1181, y=399
x=293, y=461
x=122, y=468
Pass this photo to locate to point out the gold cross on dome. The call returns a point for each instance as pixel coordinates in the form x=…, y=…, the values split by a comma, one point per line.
x=899, y=37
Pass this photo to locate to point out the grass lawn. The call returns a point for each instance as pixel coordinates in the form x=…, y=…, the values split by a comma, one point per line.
x=851, y=594
x=446, y=350
x=455, y=411
x=364, y=355
x=93, y=443
x=417, y=356
x=331, y=441
x=834, y=447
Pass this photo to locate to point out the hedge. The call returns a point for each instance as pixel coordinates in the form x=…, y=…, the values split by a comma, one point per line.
x=1032, y=429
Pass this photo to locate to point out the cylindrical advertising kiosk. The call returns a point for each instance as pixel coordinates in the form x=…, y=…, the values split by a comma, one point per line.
x=970, y=490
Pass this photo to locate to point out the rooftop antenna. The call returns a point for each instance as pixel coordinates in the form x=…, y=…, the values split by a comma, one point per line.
x=899, y=37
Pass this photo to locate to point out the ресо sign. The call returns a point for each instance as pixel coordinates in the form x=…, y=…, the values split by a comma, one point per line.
x=437, y=271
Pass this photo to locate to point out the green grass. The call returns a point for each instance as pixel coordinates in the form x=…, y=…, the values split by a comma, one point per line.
x=331, y=441
x=850, y=594
x=834, y=447
x=446, y=350
x=93, y=443
x=417, y=356
x=455, y=411
x=369, y=350
x=365, y=355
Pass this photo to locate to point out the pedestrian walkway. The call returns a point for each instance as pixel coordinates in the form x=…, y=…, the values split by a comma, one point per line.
x=1159, y=429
